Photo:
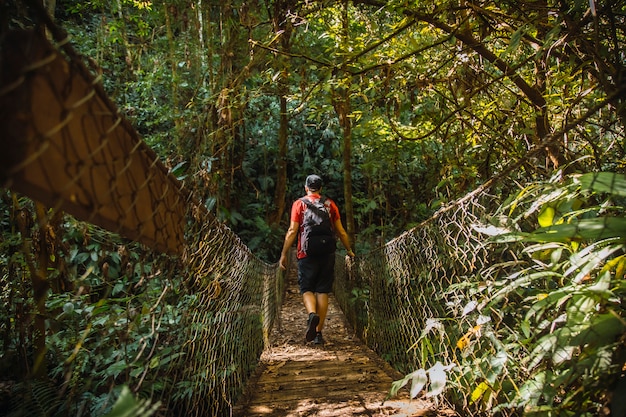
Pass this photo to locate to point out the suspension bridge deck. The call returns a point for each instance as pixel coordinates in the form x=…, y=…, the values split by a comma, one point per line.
x=341, y=378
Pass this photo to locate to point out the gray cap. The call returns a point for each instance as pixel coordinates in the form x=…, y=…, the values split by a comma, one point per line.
x=314, y=182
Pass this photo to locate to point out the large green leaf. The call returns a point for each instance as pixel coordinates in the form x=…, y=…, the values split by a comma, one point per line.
x=582, y=230
x=547, y=344
x=602, y=330
x=530, y=392
x=589, y=261
x=604, y=182
x=546, y=216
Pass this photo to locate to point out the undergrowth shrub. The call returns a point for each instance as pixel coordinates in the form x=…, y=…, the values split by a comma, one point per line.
x=543, y=329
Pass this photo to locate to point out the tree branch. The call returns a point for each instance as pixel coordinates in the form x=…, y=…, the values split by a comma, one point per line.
x=466, y=37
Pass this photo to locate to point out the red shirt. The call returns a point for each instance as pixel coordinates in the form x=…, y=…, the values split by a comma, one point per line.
x=297, y=215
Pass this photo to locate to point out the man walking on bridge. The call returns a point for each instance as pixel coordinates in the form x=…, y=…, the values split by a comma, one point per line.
x=315, y=221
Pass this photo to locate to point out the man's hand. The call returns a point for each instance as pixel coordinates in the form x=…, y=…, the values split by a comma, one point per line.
x=351, y=253
x=290, y=238
x=283, y=262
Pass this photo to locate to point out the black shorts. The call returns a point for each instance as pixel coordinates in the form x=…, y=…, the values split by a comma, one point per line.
x=316, y=273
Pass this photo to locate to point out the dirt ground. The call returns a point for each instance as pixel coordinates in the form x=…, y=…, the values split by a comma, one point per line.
x=340, y=378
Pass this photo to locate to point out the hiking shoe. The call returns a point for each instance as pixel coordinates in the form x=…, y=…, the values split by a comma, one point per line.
x=319, y=340
x=311, y=330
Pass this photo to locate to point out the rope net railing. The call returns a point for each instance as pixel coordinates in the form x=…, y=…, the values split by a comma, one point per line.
x=503, y=307
x=182, y=324
x=405, y=283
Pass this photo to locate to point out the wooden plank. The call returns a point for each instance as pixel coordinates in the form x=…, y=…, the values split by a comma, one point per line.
x=341, y=378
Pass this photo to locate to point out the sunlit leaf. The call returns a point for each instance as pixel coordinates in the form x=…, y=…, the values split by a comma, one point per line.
x=396, y=386
x=418, y=380
x=522, y=280
x=530, y=392
x=479, y=392
x=603, y=329
x=580, y=307
x=128, y=406
x=438, y=378
x=584, y=229
x=490, y=230
x=583, y=266
x=562, y=354
x=545, y=346
x=525, y=327
x=603, y=284
x=548, y=301
x=469, y=307
x=497, y=363
x=616, y=264
x=546, y=216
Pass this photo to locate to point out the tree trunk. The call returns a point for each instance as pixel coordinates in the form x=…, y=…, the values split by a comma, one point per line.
x=347, y=170
x=51, y=6
x=37, y=269
x=553, y=154
x=282, y=25
x=172, y=58
x=223, y=138
x=343, y=111
x=127, y=52
x=281, y=174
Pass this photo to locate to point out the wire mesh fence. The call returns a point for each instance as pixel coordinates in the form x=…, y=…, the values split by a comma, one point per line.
x=183, y=324
x=509, y=308
x=109, y=176
x=399, y=293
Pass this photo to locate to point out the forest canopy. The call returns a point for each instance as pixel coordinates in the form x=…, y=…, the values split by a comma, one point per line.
x=403, y=107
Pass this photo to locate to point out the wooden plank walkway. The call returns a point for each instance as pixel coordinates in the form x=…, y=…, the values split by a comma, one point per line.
x=341, y=378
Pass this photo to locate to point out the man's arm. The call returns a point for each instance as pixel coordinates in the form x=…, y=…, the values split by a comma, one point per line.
x=290, y=237
x=343, y=236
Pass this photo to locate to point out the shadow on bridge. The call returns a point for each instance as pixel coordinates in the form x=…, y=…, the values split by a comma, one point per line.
x=341, y=378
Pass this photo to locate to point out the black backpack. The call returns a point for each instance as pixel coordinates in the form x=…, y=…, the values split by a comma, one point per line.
x=317, y=237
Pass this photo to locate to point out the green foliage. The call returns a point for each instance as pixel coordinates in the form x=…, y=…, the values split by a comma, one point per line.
x=128, y=406
x=100, y=328
x=36, y=398
x=432, y=118
x=41, y=398
x=549, y=326
x=541, y=332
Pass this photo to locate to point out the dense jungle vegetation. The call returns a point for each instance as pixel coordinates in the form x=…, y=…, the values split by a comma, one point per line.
x=402, y=106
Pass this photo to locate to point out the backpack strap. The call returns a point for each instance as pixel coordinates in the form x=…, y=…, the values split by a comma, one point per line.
x=322, y=200
x=308, y=202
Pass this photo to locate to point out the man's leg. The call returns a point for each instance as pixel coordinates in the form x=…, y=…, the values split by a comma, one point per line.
x=322, y=308
x=324, y=286
x=307, y=271
x=310, y=302
x=314, y=319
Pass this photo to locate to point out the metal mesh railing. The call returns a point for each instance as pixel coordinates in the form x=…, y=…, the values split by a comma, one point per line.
x=188, y=326
x=108, y=177
x=505, y=319
x=401, y=289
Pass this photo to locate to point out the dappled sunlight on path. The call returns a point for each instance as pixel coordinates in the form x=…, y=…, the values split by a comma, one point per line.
x=341, y=378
